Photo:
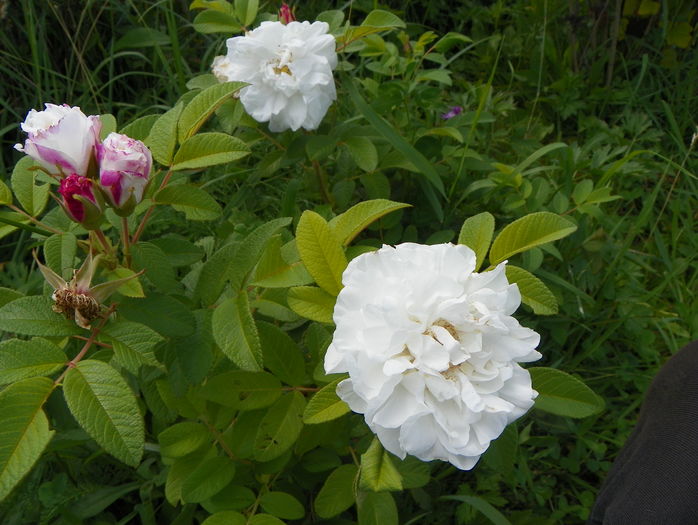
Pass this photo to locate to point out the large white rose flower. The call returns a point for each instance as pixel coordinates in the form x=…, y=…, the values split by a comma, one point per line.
x=289, y=69
x=432, y=351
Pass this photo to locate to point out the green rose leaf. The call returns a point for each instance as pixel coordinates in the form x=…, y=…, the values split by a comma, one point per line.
x=378, y=472
x=226, y=517
x=325, y=405
x=194, y=202
x=182, y=439
x=104, y=405
x=564, y=395
x=353, y=221
x=59, y=251
x=338, y=492
x=162, y=138
x=280, y=427
x=203, y=105
x=282, y=505
x=320, y=251
x=32, y=315
x=209, y=149
x=242, y=390
x=208, y=478
x=529, y=231
x=312, y=303
x=236, y=334
x=476, y=233
x=534, y=292
x=140, y=128
x=376, y=508
x=32, y=196
x=282, y=356
x=21, y=359
x=25, y=431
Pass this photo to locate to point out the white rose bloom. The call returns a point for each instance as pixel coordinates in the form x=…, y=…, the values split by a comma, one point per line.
x=289, y=69
x=432, y=351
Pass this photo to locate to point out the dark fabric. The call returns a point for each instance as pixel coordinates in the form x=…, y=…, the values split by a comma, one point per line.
x=654, y=480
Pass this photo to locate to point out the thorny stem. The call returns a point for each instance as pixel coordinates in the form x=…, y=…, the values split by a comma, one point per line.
x=87, y=345
x=32, y=219
x=149, y=212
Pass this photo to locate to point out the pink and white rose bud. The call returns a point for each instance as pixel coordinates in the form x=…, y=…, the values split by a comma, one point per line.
x=80, y=201
x=61, y=138
x=124, y=168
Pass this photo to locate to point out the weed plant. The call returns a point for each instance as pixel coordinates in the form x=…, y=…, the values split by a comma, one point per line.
x=625, y=169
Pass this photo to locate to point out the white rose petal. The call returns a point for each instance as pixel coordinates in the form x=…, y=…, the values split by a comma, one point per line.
x=289, y=69
x=432, y=351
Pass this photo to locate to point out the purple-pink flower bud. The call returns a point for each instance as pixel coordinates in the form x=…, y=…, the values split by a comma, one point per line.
x=286, y=14
x=80, y=201
x=124, y=168
x=61, y=138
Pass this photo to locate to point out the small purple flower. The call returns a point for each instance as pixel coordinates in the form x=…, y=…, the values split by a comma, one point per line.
x=453, y=112
x=61, y=138
x=124, y=168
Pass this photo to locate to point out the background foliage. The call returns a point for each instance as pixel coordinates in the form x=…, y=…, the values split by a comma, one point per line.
x=596, y=127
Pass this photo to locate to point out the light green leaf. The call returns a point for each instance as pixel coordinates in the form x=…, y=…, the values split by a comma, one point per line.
x=209, y=149
x=162, y=138
x=380, y=18
x=21, y=359
x=208, y=478
x=378, y=472
x=245, y=259
x=282, y=356
x=493, y=515
x=130, y=288
x=196, y=204
x=24, y=433
x=140, y=128
x=180, y=469
x=236, y=334
x=59, y=251
x=163, y=313
x=203, y=105
x=527, y=232
x=349, y=224
x=282, y=505
x=325, y=405
x=363, y=152
x=476, y=233
x=32, y=315
x=264, y=519
x=8, y=295
x=226, y=517
x=212, y=278
x=320, y=251
x=376, y=508
x=158, y=270
x=211, y=21
x=182, y=439
x=5, y=194
x=280, y=427
x=274, y=272
x=104, y=405
x=534, y=292
x=564, y=395
x=242, y=390
x=246, y=10
x=311, y=302
x=133, y=344
x=338, y=493
x=32, y=196
x=108, y=125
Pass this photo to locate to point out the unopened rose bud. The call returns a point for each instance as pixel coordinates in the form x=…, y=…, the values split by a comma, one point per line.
x=80, y=201
x=285, y=14
x=124, y=168
x=61, y=138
